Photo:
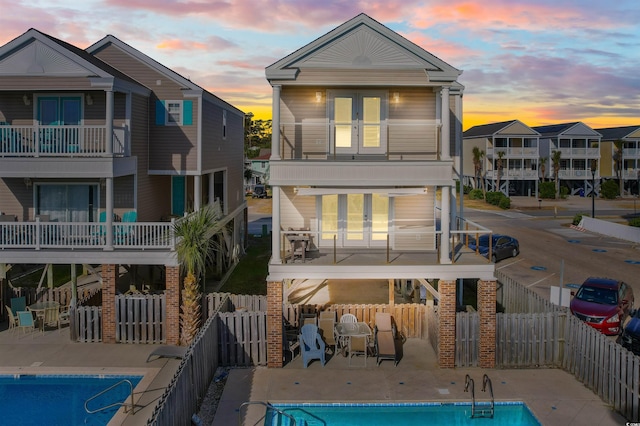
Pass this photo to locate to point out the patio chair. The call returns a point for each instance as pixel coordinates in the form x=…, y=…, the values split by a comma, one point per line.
x=26, y=322
x=385, y=338
x=125, y=233
x=311, y=344
x=13, y=320
x=64, y=317
x=51, y=318
x=18, y=304
x=326, y=325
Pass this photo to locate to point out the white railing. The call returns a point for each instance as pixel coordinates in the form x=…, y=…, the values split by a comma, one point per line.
x=85, y=235
x=60, y=141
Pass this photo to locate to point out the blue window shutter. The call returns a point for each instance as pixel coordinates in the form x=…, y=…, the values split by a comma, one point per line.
x=187, y=110
x=160, y=113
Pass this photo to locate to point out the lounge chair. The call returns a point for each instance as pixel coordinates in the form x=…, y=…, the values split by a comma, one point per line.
x=26, y=322
x=311, y=344
x=13, y=320
x=176, y=352
x=385, y=338
x=326, y=325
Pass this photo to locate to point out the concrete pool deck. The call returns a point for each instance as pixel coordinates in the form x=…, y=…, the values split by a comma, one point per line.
x=52, y=352
x=554, y=396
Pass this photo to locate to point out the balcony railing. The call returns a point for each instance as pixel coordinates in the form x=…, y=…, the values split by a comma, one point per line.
x=86, y=235
x=401, y=140
x=61, y=141
x=578, y=152
x=576, y=174
x=511, y=152
x=522, y=174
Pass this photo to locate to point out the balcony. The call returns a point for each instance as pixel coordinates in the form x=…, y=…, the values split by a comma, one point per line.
x=514, y=152
x=576, y=174
x=578, y=152
x=514, y=174
x=62, y=141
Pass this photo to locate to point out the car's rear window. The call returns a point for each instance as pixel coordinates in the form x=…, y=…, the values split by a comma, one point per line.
x=603, y=296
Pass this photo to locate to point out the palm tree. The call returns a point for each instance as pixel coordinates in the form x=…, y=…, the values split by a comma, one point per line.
x=555, y=160
x=617, y=157
x=478, y=155
x=195, y=248
x=542, y=162
x=499, y=166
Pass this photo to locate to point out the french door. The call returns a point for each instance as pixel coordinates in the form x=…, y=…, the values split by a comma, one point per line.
x=67, y=202
x=354, y=220
x=357, y=121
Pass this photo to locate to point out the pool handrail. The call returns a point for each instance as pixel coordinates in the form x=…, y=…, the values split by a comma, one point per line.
x=485, y=380
x=115, y=404
x=469, y=381
x=266, y=405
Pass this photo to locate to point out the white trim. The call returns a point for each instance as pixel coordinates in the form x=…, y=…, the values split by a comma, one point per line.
x=391, y=192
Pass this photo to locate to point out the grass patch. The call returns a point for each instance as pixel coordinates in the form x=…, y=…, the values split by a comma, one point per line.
x=250, y=275
x=29, y=275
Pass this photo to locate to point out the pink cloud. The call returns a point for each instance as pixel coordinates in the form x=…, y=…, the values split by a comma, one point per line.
x=181, y=45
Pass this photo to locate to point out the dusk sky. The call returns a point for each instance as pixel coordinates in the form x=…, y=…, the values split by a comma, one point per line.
x=539, y=61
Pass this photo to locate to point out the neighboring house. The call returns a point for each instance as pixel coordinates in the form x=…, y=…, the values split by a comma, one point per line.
x=91, y=137
x=578, y=145
x=519, y=144
x=365, y=124
x=630, y=138
x=260, y=167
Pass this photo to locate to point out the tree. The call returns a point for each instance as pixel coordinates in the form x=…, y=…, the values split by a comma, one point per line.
x=257, y=134
x=555, y=160
x=543, y=170
x=618, y=159
x=478, y=155
x=195, y=248
x=499, y=167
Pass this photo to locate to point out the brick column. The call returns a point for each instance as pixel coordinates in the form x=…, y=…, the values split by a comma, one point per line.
x=172, y=307
x=487, y=313
x=109, y=277
x=274, y=324
x=447, y=327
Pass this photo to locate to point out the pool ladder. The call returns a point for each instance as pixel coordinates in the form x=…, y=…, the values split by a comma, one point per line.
x=127, y=409
x=487, y=413
x=267, y=406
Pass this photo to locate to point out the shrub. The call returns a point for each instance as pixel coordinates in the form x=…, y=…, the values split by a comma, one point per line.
x=547, y=190
x=564, y=191
x=476, y=194
x=635, y=222
x=505, y=203
x=577, y=219
x=493, y=197
x=610, y=189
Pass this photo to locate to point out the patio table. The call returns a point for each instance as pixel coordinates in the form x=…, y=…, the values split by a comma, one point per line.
x=39, y=307
x=345, y=331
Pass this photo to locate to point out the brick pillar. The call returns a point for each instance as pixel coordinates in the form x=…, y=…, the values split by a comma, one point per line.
x=274, y=324
x=109, y=277
x=172, y=307
x=447, y=328
x=487, y=313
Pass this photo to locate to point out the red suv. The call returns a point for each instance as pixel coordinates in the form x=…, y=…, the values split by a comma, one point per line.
x=603, y=303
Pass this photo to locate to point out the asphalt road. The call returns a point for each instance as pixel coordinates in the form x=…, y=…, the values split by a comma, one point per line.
x=547, y=242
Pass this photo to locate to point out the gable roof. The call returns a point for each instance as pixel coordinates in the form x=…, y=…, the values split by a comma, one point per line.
x=513, y=127
x=576, y=128
x=37, y=54
x=615, y=133
x=362, y=43
x=187, y=85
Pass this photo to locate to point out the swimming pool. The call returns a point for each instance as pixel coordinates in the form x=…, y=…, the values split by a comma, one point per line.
x=59, y=399
x=452, y=413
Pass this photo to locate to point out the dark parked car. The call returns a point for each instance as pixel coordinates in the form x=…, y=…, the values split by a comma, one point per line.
x=259, y=191
x=502, y=246
x=603, y=303
x=630, y=338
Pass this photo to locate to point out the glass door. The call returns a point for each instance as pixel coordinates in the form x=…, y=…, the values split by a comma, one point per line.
x=355, y=220
x=358, y=122
x=67, y=202
x=65, y=112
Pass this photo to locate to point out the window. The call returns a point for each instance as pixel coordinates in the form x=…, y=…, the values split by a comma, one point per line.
x=174, y=113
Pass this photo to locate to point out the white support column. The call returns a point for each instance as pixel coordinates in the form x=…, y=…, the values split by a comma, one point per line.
x=197, y=192
x=109, y=121
x=275, y=226
x=211, y=192
x=445, y=217
x=445, y=142
x=460, y=150
x=275, y=124
x=109, y=209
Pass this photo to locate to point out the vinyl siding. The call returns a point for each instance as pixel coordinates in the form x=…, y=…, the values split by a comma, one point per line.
x=16, y=198
x=411, y=125
x=360, y=77
x=414, y=222
x=304, y=123
x=45, y=83
x=298, y=211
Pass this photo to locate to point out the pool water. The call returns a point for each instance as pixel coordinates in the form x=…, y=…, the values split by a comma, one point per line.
x=59, y=399
x=458, y=413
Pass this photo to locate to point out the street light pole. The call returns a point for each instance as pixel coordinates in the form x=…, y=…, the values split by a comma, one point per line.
x=593, y=188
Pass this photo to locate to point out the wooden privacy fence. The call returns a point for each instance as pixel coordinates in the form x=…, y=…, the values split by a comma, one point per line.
x=242, y=338
x=226, y=302
x=140, y=318
x=191, y=381
x=87, y=324
x=516, y=298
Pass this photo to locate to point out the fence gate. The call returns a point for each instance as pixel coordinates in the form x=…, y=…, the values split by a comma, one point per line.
x=140, y=318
